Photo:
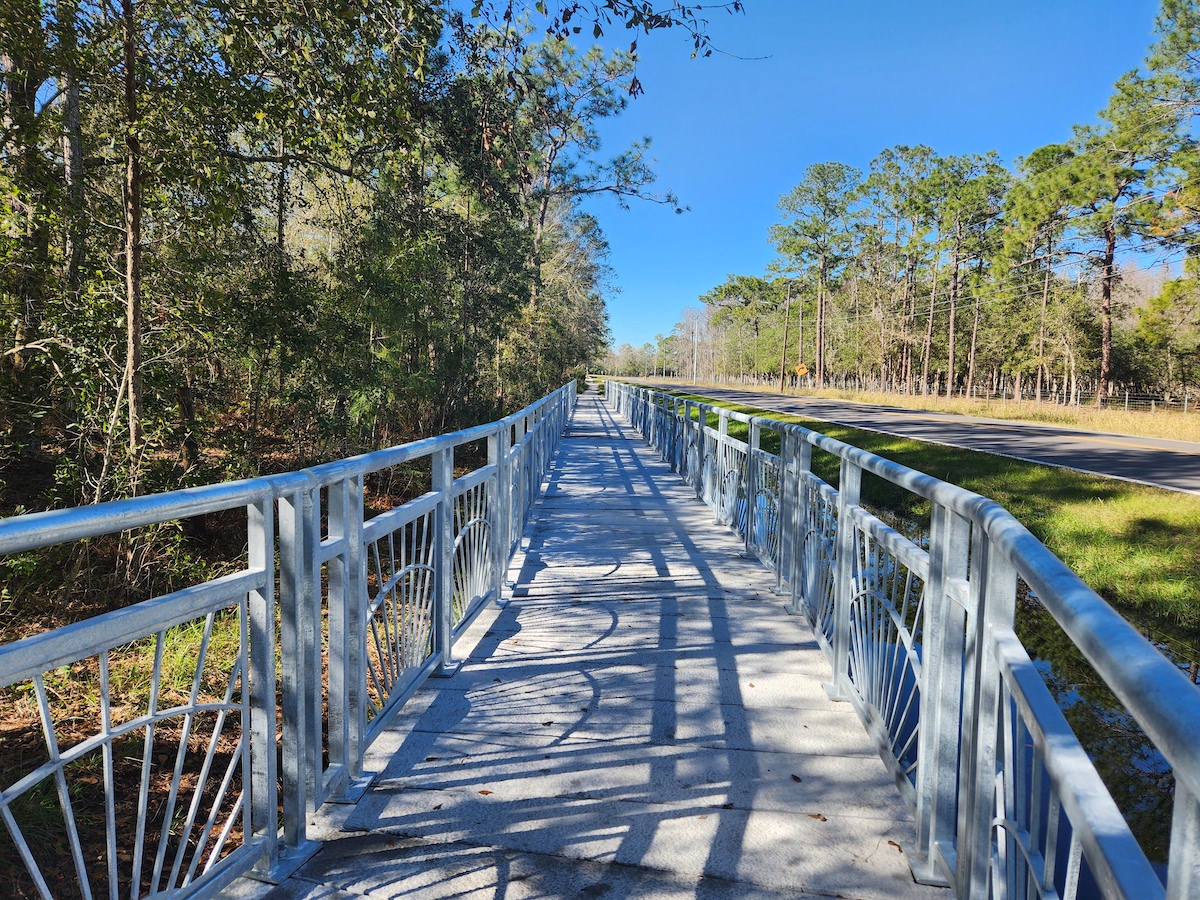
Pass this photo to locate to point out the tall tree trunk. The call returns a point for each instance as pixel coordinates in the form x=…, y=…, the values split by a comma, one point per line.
x=72, y=147
x=1106, y=290
x=974, y=332
x=787, y=311
x=951, y=337
x=820, y=331
x=928, y=348
x=800, y=338
x=1041, y=352
x=132, y=203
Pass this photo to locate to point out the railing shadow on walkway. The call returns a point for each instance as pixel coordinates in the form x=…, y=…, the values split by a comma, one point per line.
x=643, y=719
x=921, y=641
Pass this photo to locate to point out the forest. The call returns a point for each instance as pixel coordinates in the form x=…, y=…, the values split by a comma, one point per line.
x=239, y=237
x=1072, y=274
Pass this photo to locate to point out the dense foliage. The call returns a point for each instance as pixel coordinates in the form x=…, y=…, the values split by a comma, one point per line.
x=236, y=237
x=1073, y=274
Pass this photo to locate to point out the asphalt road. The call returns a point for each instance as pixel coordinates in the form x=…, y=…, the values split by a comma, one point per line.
x=1174, y=465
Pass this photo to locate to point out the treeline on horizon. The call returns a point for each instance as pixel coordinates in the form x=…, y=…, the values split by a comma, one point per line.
x=239, y=237
x=957, y=275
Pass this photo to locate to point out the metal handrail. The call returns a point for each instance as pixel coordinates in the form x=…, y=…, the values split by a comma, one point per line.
x=1007, y=803
x=356, y=612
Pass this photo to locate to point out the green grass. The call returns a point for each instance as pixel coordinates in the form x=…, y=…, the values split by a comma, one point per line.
x=1137, y=546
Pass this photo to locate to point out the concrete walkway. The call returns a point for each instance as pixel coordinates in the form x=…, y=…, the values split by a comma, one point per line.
x=642, y=721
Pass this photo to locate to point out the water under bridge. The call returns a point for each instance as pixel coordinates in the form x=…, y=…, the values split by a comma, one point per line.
x=685, y=667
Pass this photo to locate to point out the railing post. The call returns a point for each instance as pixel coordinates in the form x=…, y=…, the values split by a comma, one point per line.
x=347, y=637
x=849, y=494
x=1183, y=868
x=784, y=565
x=259, y=684
x=751, y=541
x=992, y=600
x=942, y=729
x=299, y=606
x=803, y=582
x=688, y=458
x=701, y=448
x=719, y=466
x=500, y=508
x=443, y=585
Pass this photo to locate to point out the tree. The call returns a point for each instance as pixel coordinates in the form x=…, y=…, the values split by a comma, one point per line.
x=1112, y=173
x=816, y=231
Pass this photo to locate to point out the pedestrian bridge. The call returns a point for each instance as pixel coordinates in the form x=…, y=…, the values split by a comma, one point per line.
x=686, y=668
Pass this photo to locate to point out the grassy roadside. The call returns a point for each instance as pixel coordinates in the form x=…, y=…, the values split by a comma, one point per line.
x=1169, y=425
x=1137, y=546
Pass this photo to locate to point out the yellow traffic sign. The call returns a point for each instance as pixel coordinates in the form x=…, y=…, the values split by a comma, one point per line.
x=802, y=369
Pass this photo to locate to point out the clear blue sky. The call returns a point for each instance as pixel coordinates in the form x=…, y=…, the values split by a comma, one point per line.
x=841, y=81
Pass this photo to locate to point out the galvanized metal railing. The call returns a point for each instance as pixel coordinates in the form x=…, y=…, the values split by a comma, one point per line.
x=226, y=763
x=921, y=641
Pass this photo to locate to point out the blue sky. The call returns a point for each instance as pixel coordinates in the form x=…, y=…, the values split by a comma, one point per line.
x=841, y=81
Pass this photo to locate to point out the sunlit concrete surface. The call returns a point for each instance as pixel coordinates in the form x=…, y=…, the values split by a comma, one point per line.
x=643, y=720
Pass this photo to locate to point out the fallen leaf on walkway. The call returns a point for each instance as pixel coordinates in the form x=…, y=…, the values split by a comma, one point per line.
x=726, y=806
x=752, y=684
x=797, y=778
x=899, y=849
x=583, y=709
x=485, y=792
x=551, y=722
x=430, y=758
x=818, y=817
x=497, y=680
x=439, y=806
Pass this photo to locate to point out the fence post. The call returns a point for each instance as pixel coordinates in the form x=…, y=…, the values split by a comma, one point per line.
x=849, y=490
x=443, y=583
x=701, y=447
x=941, y=711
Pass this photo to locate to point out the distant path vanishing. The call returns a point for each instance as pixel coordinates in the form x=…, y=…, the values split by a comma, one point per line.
x=1174, y=465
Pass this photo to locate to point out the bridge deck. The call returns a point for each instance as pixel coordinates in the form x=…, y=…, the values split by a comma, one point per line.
x=643, y=720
